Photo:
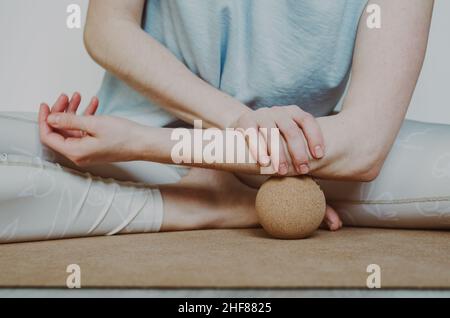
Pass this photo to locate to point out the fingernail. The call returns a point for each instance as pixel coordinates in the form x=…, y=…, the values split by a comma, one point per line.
x=304, y=169
x=53, y=119
x=282, y=169
x=319, y=152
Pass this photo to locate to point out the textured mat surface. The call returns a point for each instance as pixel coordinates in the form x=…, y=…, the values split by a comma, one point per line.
x=234, y=258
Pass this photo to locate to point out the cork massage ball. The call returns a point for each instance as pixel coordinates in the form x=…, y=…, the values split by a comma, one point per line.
x=290, y=207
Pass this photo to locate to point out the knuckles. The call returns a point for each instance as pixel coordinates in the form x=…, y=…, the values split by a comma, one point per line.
x=295, y=108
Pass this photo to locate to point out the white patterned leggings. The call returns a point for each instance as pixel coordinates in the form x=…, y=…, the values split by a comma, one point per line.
x=43, y=196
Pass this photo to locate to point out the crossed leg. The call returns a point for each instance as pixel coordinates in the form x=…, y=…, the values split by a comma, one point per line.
x=44, y=196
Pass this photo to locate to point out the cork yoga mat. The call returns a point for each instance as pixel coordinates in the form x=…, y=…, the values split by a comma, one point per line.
x=234, y=258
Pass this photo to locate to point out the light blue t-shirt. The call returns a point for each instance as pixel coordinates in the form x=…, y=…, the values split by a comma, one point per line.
x=262, y=52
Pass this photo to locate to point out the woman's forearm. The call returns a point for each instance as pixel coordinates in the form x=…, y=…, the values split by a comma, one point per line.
x=343, y=160
x=159, y=145
x=151, y=69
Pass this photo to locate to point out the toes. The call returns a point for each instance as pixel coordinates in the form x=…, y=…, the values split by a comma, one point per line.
x=332, y=219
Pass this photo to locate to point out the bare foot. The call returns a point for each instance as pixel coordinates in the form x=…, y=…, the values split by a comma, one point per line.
x=208, y=199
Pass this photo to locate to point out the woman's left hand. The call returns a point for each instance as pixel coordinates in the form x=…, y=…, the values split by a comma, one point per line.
x=86, y=139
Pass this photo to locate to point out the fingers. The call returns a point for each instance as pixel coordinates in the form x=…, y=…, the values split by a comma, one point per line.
x=275, y=148
x=70, y=122
x=60, y=104
x=311, y=130
x=295, y=143
x=92, y=107
x=299, y=130
x=255, y=141
x=74, y=103
x=263, y=152
x=63, y=104
x=47, y=135
x=332, y=220
x=44, y=111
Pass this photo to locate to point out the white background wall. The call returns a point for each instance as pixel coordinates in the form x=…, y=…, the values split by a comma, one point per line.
x=40, y=58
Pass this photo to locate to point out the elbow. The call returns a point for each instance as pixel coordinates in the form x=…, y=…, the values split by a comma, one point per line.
x=90, y=43
x=364, y=168
x=355, y=168
x=96, y=39
x=368, y=173
x=368, y=169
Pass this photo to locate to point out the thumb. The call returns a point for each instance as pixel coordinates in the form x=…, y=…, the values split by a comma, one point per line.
x=70, y=122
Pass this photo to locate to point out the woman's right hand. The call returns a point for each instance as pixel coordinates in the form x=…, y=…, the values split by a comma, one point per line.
x=87, y=139
x=298, y=129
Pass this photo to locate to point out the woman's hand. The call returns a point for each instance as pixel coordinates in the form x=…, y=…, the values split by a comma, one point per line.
x=299, y=130
x=64, y=105
x=86, y=139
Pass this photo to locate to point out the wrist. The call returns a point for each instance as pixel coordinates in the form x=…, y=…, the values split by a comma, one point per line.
x=152, y=144
x=234, y=112
x=138, y=142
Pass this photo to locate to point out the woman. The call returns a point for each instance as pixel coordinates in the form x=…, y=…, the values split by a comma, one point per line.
x=228, y=63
